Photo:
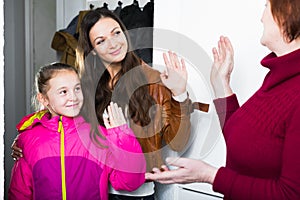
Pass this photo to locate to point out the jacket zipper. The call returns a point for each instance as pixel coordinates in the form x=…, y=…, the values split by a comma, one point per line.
x=62, y=159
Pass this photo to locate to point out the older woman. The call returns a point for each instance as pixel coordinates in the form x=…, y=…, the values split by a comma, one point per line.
x=263, y=135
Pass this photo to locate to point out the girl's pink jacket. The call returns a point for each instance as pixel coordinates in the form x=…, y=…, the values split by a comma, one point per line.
x=87, y=168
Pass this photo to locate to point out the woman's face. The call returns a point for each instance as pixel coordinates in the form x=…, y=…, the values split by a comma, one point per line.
x=108, y=40
x=272, y=36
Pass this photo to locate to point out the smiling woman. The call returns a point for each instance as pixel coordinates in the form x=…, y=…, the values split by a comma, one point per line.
x=111, y=70
x=109, y=42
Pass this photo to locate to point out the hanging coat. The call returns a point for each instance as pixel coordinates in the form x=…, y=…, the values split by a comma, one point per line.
x=65, y=40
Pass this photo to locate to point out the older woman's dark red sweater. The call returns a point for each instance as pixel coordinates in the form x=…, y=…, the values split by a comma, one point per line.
x=263, y=136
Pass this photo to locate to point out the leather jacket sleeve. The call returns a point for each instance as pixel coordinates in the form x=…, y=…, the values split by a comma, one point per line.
x=175, y=117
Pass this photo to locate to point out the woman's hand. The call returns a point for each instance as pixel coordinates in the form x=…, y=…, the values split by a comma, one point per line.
x=188, y=171
x=175, y=75
x=16, y=151
x=113, y=116
x=222, y=68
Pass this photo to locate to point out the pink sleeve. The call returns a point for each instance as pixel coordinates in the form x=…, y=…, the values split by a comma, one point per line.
x=127, y=161
x=21, y=181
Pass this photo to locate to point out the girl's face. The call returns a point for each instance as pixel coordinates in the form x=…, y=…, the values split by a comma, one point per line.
x=64, y=96
x=272, y=36
x=109, y=41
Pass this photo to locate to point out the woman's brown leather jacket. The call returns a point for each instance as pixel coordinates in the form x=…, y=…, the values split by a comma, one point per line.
x=171, y=125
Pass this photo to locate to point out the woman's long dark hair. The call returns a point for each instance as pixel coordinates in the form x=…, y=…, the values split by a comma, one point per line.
x=95, y=78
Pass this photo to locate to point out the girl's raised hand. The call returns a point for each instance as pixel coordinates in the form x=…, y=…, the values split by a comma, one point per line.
x=113, y=116
x=175, y=75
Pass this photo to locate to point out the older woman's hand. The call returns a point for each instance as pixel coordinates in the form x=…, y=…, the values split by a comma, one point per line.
x=222, y=68
x=187, y=171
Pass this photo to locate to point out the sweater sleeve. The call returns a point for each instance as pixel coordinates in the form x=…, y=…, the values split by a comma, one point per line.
x=225, y=107
x=286, y=186
x=126, y=160
x=21, y=181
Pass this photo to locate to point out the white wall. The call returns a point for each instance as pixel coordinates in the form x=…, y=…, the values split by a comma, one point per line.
x=204, y=21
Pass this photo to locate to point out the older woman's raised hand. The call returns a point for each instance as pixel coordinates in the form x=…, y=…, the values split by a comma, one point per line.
x=222, y=68
x=175, y=75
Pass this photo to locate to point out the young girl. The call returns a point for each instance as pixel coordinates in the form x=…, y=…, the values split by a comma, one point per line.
x=60, y=160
